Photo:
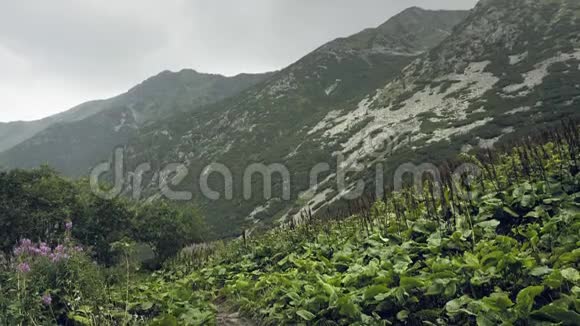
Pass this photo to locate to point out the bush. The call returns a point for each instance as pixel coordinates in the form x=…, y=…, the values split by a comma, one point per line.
x=167, y=228
x=36, y=204
x=47, y=285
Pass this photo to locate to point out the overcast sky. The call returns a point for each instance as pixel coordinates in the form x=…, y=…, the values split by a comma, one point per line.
x=59, y=53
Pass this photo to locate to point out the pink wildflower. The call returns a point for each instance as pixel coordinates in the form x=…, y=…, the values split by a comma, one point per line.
x=23, y=268
x=47, y=299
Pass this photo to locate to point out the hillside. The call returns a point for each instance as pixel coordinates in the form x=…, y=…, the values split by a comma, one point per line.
x=507, y=69
x=501, y=248
x=271, y=123
x=504, y=70
x=14, y=133
x=420, y=88
x=74, y=141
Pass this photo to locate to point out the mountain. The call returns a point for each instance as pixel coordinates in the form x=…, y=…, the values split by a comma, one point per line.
x=13, y=133
x=420, y=88
x=506, y=68
x=275, y=122
x=511, y=67
x=77, y=139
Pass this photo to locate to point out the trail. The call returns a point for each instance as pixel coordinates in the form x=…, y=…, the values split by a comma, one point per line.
x=227, y=317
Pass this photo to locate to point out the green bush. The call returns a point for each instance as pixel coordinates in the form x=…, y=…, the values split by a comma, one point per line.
x=167, y=228
x=36, y=204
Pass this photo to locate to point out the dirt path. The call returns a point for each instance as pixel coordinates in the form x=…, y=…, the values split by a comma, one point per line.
x=227, y=317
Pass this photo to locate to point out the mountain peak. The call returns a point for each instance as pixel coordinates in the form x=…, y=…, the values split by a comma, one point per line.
x=409, y=33
x=413, y=9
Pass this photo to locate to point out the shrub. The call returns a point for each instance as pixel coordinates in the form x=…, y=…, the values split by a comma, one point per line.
x=167, y=228
x=46, y=285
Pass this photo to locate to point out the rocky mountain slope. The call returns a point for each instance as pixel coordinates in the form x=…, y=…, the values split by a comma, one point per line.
x=77, y=139
x=510, y=67
x=274, y=122
x=507, y=68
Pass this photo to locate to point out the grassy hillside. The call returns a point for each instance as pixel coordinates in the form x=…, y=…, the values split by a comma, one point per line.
x=507, y=254
x=499, y=248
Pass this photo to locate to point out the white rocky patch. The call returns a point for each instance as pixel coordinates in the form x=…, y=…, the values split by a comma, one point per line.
x=252, y=217
x=535, y=77
x=332, y=87
x=282, y=85
x=508, y=130
x=325, y=123
x=294, y=152
x=256, y=211
x=314, y=201
x=121, y=124
x=445, y=134
x=166, y=134
x=472, y=84
x=489, y=143
x=466, y=148
x=515, y=59
x=343, y=123
x=124, y=122
x=518, y=110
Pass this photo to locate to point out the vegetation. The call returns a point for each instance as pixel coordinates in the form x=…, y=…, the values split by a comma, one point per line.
x=506, y=254
x=501, y=248
x=37, y=204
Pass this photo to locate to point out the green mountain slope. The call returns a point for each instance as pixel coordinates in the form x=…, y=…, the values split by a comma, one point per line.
x=13, y=133
x=75, y=140
x=270, y=123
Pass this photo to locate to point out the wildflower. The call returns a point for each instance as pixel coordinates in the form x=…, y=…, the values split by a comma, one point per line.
x=68, y=225
x=56, y=257
x=26, y=243
x=23, y=268
x=24, y=247
x=47, y=299
x=44, y=249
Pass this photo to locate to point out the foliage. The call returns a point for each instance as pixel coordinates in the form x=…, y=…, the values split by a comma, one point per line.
x=502, y=249
x=167, y=228
x=36, y=204
x=44, y=285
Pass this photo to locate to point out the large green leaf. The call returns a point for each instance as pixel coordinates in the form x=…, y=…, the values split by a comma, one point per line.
x=306, y=315
x=525, y=299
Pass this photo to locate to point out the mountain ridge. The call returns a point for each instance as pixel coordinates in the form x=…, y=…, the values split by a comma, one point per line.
x=58, y=140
